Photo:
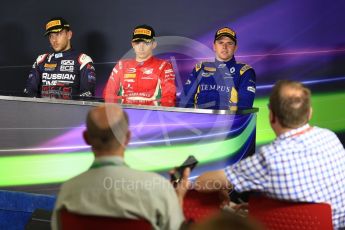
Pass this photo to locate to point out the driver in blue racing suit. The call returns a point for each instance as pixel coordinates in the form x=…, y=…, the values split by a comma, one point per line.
x=63, y=74
x=224, y=83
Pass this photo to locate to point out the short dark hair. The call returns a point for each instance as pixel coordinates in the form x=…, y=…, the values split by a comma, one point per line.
x=107, y=138
x=290, y=102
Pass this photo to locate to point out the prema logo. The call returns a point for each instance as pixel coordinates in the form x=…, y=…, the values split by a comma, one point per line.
x=148, y=71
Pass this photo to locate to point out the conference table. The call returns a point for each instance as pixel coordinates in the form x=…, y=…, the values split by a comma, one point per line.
x=41, y=143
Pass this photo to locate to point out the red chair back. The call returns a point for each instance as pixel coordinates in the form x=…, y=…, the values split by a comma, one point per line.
x=72, y=221
x=198, y=206
x=284, y=215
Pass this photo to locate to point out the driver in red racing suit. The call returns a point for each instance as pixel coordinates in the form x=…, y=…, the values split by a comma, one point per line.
x=145, y=80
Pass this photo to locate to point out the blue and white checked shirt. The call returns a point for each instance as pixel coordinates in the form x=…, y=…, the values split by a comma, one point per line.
x=305, y=164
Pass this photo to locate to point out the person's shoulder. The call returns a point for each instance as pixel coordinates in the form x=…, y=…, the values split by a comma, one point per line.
x=41, y=58
x=84, y=59
x=150, y=176
x=324, y=131
x=209, y=66
x=152, y=185
x=147, y=174
x=161, y=62
x=126, y=62
x=243, y=67
x=205, y=65
x=273, y=149
x=74, y=182
x=208, y=63
x=198, y=66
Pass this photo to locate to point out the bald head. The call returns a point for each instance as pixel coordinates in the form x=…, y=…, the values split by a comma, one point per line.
x=290, y=103
x=107, y=128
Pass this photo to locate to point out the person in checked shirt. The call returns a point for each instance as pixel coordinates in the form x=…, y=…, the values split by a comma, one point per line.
x=303, y=164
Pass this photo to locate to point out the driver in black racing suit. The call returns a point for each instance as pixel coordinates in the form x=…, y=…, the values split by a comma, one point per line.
x=63, y=74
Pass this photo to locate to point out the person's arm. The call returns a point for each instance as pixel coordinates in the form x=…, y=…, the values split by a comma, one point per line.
x=212, y=181
x=87, y=76
x=33, y=83
x=187, y=98
x=182, y=186
x=181, y=189
x=111, y=90
x=168, y=86
x=247, y=87
x=175, y=194
x=249, y=174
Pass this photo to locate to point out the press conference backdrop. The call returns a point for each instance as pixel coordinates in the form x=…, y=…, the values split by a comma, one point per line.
x=282, y=39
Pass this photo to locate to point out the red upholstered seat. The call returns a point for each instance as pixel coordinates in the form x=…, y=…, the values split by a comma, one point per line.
x=198, y=206
x=283, y=215
x=72, y=221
